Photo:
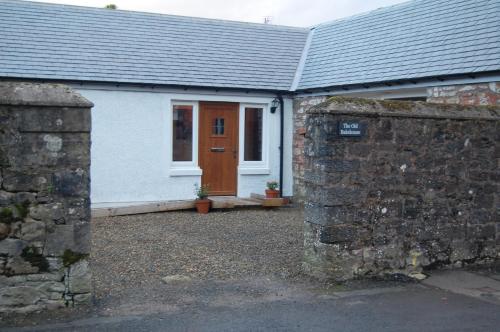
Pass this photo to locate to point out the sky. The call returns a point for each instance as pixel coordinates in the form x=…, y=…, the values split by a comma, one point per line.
x=284, y=12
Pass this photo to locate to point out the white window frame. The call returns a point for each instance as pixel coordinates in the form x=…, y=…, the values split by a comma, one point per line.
x=184, y=168
x=254, y=167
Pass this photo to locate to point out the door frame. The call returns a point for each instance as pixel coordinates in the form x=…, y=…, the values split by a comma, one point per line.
x=254, y=167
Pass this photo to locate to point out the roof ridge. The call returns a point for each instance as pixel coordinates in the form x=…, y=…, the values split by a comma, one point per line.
x=302, y=61
x=126, y=11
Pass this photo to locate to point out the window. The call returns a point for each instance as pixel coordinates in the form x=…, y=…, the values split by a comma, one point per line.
x=253, y=134
x=218, y=127
x=182, y=140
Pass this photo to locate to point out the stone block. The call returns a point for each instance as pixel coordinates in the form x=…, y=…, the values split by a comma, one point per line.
x=6, y=198
x=17, y=265
x=48, y=212
x=79, y=278
x=4, y=230
x=20, y=296
x=340, y=196
x=460, y=250
x=59, y=240
x=51, y=150
x=348, y=236
x=486, y=231
x=328, y=215
x=55, y=120
x=12, y=247
x=55, y=264
x=32, y=230
x=82, y=237
x=72, y=183
x=25, y=180
x=82, y=298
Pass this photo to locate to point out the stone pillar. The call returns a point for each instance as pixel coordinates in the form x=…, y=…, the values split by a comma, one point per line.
x=44, y=197
x=300, y=107
x=417, y=186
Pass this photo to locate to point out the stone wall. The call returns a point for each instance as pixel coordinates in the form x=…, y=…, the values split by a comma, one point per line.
x=469, y=94
x=44, y=197
x=300, y=107
x=420, y=188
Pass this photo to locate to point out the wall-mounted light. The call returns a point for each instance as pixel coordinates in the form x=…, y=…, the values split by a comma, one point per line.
x=274, y=105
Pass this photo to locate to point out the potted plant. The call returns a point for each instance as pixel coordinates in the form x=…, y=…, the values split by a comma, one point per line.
x=202, y=203
x=272, y=190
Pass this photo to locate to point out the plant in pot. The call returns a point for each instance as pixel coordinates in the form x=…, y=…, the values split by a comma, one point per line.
x=202, y=203
x=272, y=189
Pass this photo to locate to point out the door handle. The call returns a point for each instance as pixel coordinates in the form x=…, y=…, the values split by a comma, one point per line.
x=217, y=149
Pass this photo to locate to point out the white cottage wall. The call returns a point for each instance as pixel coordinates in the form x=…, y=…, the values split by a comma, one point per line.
x=131, y=147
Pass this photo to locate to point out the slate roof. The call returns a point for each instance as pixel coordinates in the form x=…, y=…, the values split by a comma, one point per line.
x=416, y=39
x=49, y=41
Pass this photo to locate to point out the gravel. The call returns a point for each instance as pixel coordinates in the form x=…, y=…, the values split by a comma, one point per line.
x=138, y=251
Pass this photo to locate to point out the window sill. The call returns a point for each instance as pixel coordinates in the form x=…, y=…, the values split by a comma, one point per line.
x=254, y=171
x=195, y=171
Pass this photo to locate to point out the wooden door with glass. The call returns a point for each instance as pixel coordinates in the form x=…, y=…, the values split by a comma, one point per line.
x=218, y=146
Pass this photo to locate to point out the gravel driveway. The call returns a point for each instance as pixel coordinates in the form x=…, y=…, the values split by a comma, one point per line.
x=137, y=251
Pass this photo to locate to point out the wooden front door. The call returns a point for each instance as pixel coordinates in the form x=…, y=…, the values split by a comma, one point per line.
x=218, y=146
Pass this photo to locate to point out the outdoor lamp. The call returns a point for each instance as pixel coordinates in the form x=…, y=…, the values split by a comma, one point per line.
x=274, y=105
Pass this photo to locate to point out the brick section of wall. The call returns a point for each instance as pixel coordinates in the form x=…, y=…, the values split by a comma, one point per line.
x=44, y=197
x=300, y=107
x=470, y=94
x=419, y=190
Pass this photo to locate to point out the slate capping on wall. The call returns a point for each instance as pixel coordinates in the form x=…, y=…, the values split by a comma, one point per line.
x=41, y=94
x=406, y=109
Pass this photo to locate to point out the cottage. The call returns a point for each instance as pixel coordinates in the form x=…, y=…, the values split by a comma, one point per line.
x=183, y=100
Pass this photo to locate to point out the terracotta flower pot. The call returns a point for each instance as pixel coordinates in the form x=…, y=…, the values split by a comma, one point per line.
x=202, y=205
x=272, y=193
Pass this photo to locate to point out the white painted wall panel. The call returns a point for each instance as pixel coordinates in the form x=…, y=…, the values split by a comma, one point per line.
x=131, y=153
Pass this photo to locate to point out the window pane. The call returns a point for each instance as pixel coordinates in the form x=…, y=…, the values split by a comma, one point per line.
x=218, y=127
x=183, y=133
x=253, y=134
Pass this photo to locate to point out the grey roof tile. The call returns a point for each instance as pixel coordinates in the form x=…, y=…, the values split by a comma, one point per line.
x=419, y=38
x=48, y=41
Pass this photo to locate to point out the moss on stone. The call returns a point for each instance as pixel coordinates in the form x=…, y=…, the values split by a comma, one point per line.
x=397, y=105
x=35, y=258
x=22, y=209
x=357, y=101
x=7, y=216
x=70, y=257
x=392, y=105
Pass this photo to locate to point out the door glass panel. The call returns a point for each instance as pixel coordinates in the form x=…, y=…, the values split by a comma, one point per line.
x=253, y=134
x=218, y=127
x=182, y=133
